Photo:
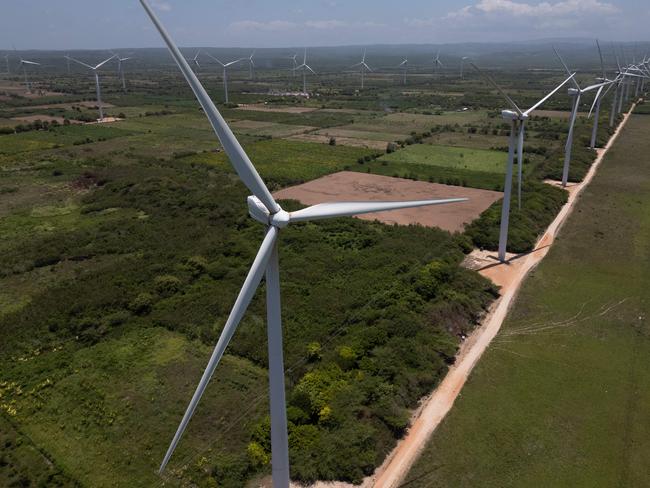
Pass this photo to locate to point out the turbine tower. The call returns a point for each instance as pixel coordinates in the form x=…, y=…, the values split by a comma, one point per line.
x=404, y=65
x=225, y=72
x=304, y=67
x=576, y=93
x=95, y=69
x=517, y=119
x=7, y=63
x=263, y=208
x=362, y=67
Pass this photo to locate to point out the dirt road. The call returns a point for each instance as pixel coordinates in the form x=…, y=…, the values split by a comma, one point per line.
x=434, y=408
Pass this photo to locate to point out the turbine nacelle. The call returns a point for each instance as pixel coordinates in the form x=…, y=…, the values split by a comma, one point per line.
x=259, y=212
x=510, y=115
x=573, y=92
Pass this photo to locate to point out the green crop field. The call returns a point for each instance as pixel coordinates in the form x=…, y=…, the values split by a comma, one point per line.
x=450, y=157
x=562, y=396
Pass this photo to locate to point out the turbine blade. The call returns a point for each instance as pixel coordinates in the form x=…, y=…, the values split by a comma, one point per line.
x=309, y=68
x=241, y=304
x=24, y=61
x=233, y=149
x=534, y=107
x=565, y=67
x=494, y=84
x=79, y=62
x=595, y=101
x=593, y=87
x=348, y=209
x=212, y=57
x=602, y=63
x=104, y=62
x=572, y=123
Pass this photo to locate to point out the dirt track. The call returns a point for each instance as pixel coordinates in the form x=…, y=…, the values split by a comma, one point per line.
x=509, y=276
x=353, y=186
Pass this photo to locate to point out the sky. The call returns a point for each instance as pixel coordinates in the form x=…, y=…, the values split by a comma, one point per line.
x=102, y=24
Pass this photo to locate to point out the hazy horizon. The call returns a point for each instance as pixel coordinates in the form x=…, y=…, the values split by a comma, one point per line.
x=42, y=25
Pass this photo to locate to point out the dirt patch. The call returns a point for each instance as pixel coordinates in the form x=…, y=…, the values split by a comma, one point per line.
x=352, y=186
x=260, y=107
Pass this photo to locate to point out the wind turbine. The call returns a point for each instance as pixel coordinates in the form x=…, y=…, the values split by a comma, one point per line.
x=437, y=63
x=304, y=67
x=120, y=69
x=195, y=60
x=251, y=66
x=263, y=208
x=295, y=65
x=225, y=72
x=598, y=98
x=95, y=69
x=462, y=65
x=517, y=119
x=576, y=93
x=7, y=63
x=404, y=64
x=362, y=67
x=23, y=65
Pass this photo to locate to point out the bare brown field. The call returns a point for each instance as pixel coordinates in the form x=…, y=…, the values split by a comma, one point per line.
x=260, y=107
x=340, y=141
x=352, y=186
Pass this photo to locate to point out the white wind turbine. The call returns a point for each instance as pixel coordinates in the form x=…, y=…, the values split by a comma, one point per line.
x=95, y=69
x=517, y=119
x=362, y=67
x=225, y=72
x=23, y=64
x=405, y=66
x=576, y=93
x=195, y=60
x=462, y=65
x=251, y=66
x=7, y=63
x=263, y=208
x=120, y=69
x=595, y=107
x=304, y=67
x=437, y=63
x=295, y=65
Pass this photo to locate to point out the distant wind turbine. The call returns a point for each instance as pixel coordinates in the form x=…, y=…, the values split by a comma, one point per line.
x=264, y=209
x=517, y=119
x=304, y=67
x=251, y=66
x=462, y=66
x=95, y=69
x=120, y=69
x=225, y=72
x=437, y=63
x=404, y=65
x=7, y=63
x=362, y=67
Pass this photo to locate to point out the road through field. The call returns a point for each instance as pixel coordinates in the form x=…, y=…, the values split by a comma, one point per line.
x=437, y=405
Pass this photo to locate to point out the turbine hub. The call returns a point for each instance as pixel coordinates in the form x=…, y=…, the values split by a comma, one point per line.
x=280, y=219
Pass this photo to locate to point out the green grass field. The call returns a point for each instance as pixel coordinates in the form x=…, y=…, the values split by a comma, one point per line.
x=562, y=396
x=450, y=157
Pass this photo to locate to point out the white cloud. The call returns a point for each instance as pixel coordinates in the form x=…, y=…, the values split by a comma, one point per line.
x=161, y=5
x=285, y=25
x=542, y=9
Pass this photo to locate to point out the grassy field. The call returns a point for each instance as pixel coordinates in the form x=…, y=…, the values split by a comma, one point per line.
x=562, y=397
x=450, y=157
